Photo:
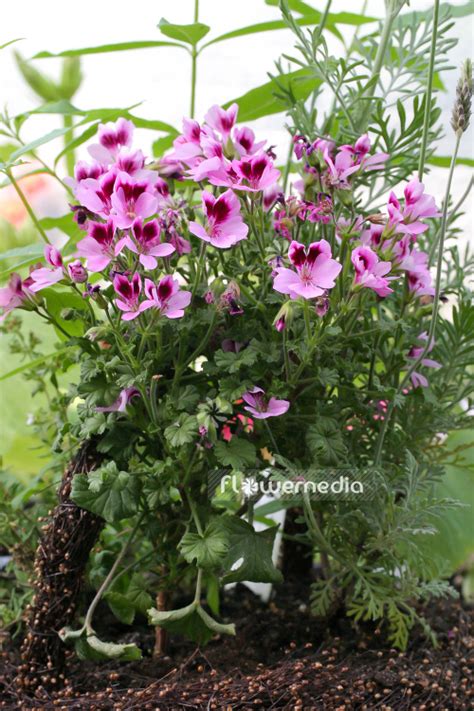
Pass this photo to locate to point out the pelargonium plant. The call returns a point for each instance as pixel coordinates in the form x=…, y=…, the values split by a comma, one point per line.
x=228, y=316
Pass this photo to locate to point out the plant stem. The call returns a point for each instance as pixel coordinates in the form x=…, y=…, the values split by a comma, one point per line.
x=68, y=137
x=434, y=313
x=90, y=612
x=429, y=91
x=194, y=56
x=26, y=205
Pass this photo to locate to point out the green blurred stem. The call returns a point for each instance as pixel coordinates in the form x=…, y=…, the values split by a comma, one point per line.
x=434, y=313
x=90, y=612
x=429, y=91
x=26, y=205
x=68, y=138
x=194, y=56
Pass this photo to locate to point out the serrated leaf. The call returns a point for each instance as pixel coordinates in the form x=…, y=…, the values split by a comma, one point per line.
x=121, y=606
x=250, y=553
x=181, y=432
x=206, y=550
x=107, y=492
x=237, y=453
x=325, y=441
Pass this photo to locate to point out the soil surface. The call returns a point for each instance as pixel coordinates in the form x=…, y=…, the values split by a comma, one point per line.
x=281, y=658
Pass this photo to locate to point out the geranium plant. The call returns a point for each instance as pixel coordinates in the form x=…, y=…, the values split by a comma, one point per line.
x=231, y=313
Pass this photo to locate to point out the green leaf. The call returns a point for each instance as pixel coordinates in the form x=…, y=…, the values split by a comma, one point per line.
x=262, y=101
x=121, y=606
x=237, y=453
x=104, y=48
x=58, y=302
x=37, y=143
x=181, y=432
x=107, y=492
x=310, y=18
x=7, y=44
x=191, y=621
x=445, y=161
x=206, y=550
x=161, y=145
x=33, y=364
x=250, y=553
x=408, y=18
x=454, y=542
x=109, y=650
x=191, y=34
x=325, y=441
x=65, y=223
x=30, y=251
x=77, y=141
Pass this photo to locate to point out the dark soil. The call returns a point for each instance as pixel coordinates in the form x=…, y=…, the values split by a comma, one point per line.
x=281, y=658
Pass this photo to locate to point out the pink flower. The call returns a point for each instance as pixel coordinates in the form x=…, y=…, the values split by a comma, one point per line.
x=129, y=293
x=112, y=137
x=96, y=193
x=315, y=271
x=131, y=198
x=270, y=196
x=418, y=205
x=415, y=352
x=167, y=297
x=77, y=272
x=146, y=243
x=187, y=146
x=340, y=169
x=222, y=120
x=224, y=225
x=263, y=407
x=13, y=295
x=254, y=173
x=370, y=271
x=244, y=141
x=43, y=277
x=98, y=247
x=359, y=152
x=418, y=272
x=121, y=403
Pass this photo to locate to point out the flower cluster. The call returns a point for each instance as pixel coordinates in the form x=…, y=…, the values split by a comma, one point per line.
x=138, y=230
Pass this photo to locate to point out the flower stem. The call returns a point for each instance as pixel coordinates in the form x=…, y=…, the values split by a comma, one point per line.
x=26, y=205
x=90, y=612
x=429, y=91
x=194, y=56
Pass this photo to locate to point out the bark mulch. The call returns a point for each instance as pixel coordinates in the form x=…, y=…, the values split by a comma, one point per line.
x=281, y=658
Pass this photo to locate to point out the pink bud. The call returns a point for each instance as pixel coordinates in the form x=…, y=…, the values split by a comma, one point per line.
x=52, y=256
x=77, y=272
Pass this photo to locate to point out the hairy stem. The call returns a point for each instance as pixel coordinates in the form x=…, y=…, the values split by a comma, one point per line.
x=429, y=91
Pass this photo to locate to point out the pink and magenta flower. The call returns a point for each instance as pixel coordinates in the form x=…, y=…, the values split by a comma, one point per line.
x=128, y=291
x=14, y=295
x=222, y=120
x=261, y=406
x=224, y=225
x=314, y=271
x=167, y=297
x=112, y=138
x=370, y=272
x=131, y=199
x=146, y=243
x=44, y=277
x=99, y=247
x=95, y=194
x=418, y=379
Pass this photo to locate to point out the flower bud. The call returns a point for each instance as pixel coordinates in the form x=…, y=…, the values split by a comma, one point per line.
x=462, y=106
x=53, y=256
x=77, y=272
